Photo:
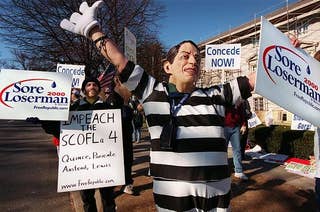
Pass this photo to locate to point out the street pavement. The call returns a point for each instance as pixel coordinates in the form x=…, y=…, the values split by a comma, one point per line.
x=28, y=179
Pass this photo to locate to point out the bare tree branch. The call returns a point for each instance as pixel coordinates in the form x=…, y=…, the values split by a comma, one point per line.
x=32, y=28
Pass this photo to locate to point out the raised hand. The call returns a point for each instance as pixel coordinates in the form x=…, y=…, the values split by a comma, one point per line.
x=82, y=23
x=294, y=40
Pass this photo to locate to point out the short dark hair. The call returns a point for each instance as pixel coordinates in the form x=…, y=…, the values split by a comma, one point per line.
x=90, y=79
x=172, y=53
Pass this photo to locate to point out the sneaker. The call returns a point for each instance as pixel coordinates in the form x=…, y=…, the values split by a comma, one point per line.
x=128, y=189
x=241, y=176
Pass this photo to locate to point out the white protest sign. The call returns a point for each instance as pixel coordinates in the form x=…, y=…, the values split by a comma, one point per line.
x=24, y=94
x=91, y=150
x=288, y=76
x=298, y=123
x=77, y=72
x=254, y=121
x=130, y=44
x=223, y=56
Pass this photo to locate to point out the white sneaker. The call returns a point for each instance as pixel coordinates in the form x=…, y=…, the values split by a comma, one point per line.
x=241, y=176
x=128, y=189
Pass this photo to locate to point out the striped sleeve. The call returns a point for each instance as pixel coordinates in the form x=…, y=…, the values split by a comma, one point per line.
x=137, y=80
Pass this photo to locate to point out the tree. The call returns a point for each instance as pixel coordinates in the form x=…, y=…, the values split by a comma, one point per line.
x=33, y=27
x=149, y=56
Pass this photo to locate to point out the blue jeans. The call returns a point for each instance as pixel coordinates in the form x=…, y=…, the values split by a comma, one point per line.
x=136, y=135
x=232, y=134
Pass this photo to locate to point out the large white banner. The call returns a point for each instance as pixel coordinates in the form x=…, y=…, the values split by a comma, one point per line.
x=91, y=151
x=130, y=44
x=24, y=94
x=288, y=76
x=223, y=56
x=77, y=72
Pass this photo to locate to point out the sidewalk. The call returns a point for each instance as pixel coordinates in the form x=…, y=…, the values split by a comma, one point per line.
x=142, y=200
x=269, y=188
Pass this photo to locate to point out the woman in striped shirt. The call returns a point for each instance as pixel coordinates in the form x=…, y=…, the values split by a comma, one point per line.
x=190, y=173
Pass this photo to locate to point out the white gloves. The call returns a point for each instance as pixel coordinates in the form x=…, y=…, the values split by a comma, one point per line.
x=82, y=24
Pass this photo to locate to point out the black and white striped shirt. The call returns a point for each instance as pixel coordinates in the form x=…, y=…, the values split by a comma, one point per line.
x=201, y=152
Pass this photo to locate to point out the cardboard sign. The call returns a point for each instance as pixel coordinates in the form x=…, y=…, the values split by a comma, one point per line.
x=223, y=56
x=288, y=76
x=130, y=44
x=24, y=94
x=253, y=121
x=298, y=123
x=77, y=72
x=91, y=151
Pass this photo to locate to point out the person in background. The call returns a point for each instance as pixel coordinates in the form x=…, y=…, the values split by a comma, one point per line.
x=244, y=130
x=188, y=156
x=91, y=89
x=137, y=120
x=75, y=96
x=234, y=121
x=121, y=96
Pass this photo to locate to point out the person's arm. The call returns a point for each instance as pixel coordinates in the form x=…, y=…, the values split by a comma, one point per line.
x=85, y=23
x=108, y=49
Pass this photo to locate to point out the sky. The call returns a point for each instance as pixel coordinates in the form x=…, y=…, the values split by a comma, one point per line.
x=199, y=20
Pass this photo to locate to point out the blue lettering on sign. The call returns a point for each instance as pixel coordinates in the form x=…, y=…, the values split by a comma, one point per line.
x=75, y=82
x=297, y=118
x=219, y=62
x=232, y=51
x=17, y=87
x=31, y=94
x=302, y=126
x=252, y=123
x=288, y=70
x=74, y=71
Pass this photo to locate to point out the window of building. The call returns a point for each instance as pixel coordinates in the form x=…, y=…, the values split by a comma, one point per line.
x=284, y=117
x=255, y=42
x=260, y=104
x=302, y=27
x=253, y=67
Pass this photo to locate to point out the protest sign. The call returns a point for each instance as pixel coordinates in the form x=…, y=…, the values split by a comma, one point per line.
x=130, y=44
x=288, y=76
x=223, y=56
x=77, y=72
x=91, y=151
x=24, y=94
x=298, y=123
x=253, y=121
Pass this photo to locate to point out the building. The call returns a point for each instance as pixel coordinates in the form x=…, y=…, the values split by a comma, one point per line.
x=301, y=19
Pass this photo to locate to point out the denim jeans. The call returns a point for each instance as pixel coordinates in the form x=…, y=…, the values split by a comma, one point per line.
x=136, y=135
x=232, y=134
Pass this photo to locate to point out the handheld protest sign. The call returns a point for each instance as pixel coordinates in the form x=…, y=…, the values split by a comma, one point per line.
x=288, y=76
x=223, y=56
x=91, y=150
x=25, y=94
x=77, y=72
